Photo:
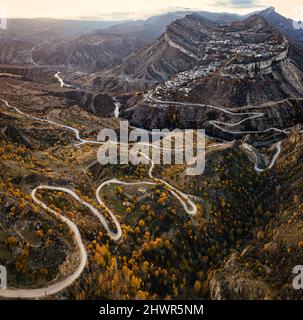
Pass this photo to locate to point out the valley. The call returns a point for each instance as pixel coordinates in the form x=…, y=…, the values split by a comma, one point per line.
x=73, y=228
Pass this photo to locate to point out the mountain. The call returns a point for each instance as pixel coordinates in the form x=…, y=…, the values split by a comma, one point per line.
x=89, y=46
x=206, y=52
x=157, y=24
x=25, y=38
x=102, y=49
x=40, y=29
x=284, y=25
x=15, y=51
x=92, y=52
x=93, y=46
x=74, y=227
x=177, y=49
x=198, y=69
x=136, y=34
x=234, y=247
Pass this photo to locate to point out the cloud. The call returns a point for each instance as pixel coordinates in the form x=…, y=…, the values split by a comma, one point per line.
x=121, y=16
x=243, y=3
x=238, y=3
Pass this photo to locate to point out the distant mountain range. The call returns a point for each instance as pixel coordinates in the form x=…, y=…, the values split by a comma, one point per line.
x=40, y=29
x=93, y=46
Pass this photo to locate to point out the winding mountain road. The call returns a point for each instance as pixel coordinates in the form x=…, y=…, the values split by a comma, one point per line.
x=51, y=289
x=251, y=115
x=273, y=160
x=184, y=199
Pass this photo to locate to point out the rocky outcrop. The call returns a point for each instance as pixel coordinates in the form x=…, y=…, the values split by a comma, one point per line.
x=281, y=81
x=16, y=136
x=99, y=104
x=237, y=71
x=281, y=115
x=235, y=281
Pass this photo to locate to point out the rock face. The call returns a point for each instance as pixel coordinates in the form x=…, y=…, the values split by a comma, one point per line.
x=16, y=136
x=176, y=50
x=283, y=115
x=98, y=104
x=275, y=83
x=234, y=282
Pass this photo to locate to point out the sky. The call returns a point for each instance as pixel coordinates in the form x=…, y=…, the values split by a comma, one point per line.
x=138, y=9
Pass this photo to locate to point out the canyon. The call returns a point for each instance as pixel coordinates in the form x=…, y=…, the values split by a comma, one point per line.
x=74, y=228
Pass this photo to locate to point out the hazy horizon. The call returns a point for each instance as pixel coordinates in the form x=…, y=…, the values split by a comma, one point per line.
x=136, y=9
